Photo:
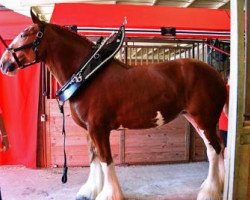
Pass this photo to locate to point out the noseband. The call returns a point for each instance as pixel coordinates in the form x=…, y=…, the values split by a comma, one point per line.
x=33, y=45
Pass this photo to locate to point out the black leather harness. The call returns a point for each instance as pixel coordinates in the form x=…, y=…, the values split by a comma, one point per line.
x=103, y=52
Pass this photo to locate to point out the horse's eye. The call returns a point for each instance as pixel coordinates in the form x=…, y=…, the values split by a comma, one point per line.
x=23, y=35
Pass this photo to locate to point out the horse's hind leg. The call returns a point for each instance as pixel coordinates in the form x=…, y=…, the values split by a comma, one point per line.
x=213, y=185
x=94, y=184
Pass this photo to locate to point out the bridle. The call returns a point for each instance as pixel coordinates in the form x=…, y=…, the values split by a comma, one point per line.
x=33, y=45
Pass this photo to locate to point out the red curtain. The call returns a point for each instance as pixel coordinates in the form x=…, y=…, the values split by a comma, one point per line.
x=19, y=97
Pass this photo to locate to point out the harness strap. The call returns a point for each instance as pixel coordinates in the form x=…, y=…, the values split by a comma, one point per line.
x=65, y=167
x=33, y=45
x=4, y=43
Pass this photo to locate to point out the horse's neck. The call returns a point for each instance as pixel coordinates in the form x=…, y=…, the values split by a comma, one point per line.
x=65, y=53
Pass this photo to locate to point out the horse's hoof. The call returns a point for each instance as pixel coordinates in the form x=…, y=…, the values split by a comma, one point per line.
x=83, y=198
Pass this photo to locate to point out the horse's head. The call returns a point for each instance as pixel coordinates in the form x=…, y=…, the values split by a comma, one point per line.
x=24, y=49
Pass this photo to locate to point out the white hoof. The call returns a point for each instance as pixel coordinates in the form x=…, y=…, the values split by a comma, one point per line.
x=111, y=189
x=94, y=184
x=109, y=195
x=208, y=195
x=208, y=192
x=87, y=191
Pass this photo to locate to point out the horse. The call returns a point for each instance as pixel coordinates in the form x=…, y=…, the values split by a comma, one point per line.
x=125, y=96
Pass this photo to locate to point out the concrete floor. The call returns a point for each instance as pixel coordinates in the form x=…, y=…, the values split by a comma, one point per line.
x=154, y=182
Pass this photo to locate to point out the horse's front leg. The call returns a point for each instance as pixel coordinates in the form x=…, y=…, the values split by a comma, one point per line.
x=111, y=189
x=94, y=184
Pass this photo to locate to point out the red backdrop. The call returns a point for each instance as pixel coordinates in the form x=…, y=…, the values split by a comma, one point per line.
x=141, y=17
x=19, y=97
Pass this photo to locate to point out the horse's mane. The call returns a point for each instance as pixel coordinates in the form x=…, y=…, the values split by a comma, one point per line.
x=84, y=39
x=70, y=32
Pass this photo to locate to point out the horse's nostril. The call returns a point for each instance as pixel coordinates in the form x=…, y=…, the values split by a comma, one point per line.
x=11, y=68
x=7, y=67
x=1, y=66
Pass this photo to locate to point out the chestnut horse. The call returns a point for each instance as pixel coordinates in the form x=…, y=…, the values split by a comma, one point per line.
x=131, y=97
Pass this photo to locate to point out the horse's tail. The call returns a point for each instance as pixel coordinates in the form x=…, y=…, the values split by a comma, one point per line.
x=226, y=105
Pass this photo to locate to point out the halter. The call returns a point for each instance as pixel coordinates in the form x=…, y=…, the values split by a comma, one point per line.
x=33, y=45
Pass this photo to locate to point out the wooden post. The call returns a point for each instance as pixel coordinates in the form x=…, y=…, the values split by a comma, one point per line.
x=122, y=146
x=247, y=63
x=237, y=162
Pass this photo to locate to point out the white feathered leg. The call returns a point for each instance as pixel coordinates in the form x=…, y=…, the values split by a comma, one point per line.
x=111, y=188
x=94, y=184
x=212, y=187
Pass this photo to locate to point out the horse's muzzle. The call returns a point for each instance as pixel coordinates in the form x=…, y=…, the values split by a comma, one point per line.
x=7, y=67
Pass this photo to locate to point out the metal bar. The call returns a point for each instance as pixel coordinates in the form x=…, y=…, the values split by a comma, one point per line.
x=198, y=51
x=130, y=54
x=164, y=54
x=217, y=49
x=135, y=55
x=203, y=52
x=155, y=46
x=153, y=55
x=126, y=53
x=142, y=56
x=158, y=60
x=193, y=52
x=121, y=54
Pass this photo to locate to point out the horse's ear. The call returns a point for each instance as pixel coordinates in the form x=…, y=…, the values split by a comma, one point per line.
x=35, y=18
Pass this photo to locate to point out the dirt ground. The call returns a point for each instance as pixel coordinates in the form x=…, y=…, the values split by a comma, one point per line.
x=152, y=182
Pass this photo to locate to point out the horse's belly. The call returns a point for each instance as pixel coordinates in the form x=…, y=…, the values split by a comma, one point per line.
x=145, y=120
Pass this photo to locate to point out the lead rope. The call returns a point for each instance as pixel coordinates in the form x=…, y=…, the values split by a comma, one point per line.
x=65, y=167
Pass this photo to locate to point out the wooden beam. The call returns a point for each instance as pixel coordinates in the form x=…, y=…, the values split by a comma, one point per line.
x=221, y=4
x=247, y=63
x=154, y=2
x=237, y=161
x=189, y=3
